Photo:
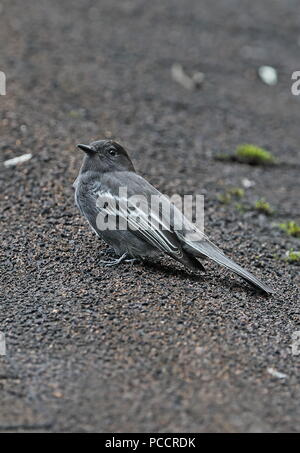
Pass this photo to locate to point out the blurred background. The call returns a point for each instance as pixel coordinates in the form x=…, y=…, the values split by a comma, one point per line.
x=180, y=84
x=78, y=71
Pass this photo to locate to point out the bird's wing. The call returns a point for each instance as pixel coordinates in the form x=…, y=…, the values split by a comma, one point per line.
x=130, y=209
x=125, y=214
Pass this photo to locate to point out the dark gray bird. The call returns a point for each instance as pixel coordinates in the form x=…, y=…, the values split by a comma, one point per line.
x=105, y=169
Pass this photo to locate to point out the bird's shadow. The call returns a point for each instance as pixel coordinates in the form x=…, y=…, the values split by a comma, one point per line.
x=184, y=274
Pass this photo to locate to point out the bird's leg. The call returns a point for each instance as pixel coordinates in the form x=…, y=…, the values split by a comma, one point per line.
x=114, y=262
x=132, y=260
x=119, y=260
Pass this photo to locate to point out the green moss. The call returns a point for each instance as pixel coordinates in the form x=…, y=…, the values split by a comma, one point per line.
x=263, y=207
x=76, y=113
x=253, y=155
x=291, y=228
x=292, y=256
x=237, y=192
x=224, y=198
x=234, y=192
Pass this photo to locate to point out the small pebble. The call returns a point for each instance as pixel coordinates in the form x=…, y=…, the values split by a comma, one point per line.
x=17, y=160
x=198, y=79
x=276, y=373
x=181, y=77
x=247, y=183
x=268, y=75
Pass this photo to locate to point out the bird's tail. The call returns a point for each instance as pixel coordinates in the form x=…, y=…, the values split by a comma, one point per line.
x=207, y=248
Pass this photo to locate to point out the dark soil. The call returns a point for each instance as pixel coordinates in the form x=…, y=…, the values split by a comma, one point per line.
x=147, y=347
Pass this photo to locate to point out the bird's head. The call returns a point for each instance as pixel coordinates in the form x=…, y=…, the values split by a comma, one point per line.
x=105, y=156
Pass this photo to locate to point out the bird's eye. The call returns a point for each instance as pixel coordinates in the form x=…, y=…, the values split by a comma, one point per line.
x=112, y=152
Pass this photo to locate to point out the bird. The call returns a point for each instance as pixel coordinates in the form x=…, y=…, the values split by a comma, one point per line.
x=105, y=171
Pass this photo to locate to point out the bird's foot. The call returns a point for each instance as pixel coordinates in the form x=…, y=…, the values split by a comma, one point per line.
x=122, y=259
x=114, y=262
x=132, y=260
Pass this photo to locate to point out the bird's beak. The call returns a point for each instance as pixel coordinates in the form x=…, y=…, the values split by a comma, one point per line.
x=87, y=149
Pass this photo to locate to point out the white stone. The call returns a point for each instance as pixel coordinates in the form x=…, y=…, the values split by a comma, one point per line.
x=268, y=75
x=17, y=160
x=276, y=373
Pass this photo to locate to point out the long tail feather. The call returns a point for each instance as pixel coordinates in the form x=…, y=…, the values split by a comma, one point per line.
x=207, y=248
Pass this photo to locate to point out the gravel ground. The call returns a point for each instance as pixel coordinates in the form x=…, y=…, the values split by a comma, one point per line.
x=153, y=347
